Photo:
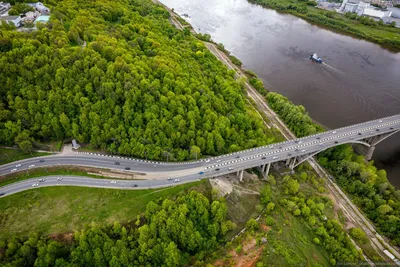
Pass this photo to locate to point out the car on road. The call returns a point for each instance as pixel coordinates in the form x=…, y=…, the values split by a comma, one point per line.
x=237, y=157
x=217, y=169
x=380, y=120
x=113, y=182
x=201, y=173
x=14, y=170
x=169, y=178
x=116, y=163
x=177, y=180
x=18, y=165
x=336, y=142
x=135, y=185
x=230, y=168
x=321, y=144
x=41, y=180
x=207, y=160
x=264, y=158
x=41, y=160
x=289, y=154
x=35, y=185
x=127, y=168
x=218, y=161
x=31, y=166
x=59, y=179
x=2, y=194
x=334, y=132
x=299, y=142
x=303, y=150
x=274, y=157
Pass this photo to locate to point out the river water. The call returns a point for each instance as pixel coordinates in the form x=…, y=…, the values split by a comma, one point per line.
x=360, y=80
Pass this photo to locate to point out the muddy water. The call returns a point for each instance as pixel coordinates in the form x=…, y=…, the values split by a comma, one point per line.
x=360, y=81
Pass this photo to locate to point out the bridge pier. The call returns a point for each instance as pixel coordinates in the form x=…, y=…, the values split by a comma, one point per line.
x=241, y=176
x=288, y=162
x=291, y=164
x=267, y=171
x=263, y=168
x=370, y=152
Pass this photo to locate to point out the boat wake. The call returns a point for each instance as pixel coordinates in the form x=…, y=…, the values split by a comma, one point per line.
x=330, y=67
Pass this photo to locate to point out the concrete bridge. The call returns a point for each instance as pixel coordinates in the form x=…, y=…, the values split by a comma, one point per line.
x=295, y=152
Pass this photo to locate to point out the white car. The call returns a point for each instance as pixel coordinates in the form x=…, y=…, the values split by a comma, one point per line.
x=169, y=178
x=18, y=165
x=113, y=182
x=274, y=157
x=230, y=168
x=207, y=160
x=334, y=132
x=14, y=170
x=35, y=185
x=41, y=180
x=59, y=179
x=303, y=150
x=31, y=166
x=177, y=180
x=218, y=161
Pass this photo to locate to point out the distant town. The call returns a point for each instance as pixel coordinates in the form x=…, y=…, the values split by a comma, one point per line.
x=386, y=11
x=24, y=15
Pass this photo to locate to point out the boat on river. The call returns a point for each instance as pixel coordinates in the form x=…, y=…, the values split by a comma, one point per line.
x=316, y=58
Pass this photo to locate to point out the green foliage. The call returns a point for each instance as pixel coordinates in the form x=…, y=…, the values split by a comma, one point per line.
x=235, y=61
x=316, y=241
x=19, y=8
x=290, y=186
x=172, y=230
x=265, y=194
x=140, y=87
x=252, y=225
x=294, y=116
x=258, y=85
x=359, y=235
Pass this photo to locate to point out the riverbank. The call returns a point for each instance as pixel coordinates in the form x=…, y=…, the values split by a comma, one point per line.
x=361, y=27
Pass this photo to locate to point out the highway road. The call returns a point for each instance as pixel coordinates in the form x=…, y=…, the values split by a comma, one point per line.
x=220, y=165
x=67, y=180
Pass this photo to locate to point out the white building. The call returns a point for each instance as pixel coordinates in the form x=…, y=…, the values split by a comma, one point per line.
x=365, y=9
x=40, y=7
x=15, y=20
x=377, y=13
x=4, y=7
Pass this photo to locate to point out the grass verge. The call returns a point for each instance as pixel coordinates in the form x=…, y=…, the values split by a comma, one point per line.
x=66, y=209
x=10, y=155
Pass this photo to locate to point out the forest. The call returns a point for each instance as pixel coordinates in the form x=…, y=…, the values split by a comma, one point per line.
x=170, y=233
x=369, y=187
x=117, y=75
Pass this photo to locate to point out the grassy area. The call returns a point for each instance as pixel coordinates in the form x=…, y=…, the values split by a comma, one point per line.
x=290, y=243
x=361, y=27
x=10, y=155
x=65, y=209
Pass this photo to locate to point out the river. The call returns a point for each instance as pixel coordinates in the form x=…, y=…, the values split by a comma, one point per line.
x=360, y=81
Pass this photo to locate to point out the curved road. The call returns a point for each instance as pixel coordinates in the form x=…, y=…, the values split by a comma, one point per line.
x=151, y=170
x=67, y=180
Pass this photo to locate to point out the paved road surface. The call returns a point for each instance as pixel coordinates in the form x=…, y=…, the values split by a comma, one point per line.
x=219, y=165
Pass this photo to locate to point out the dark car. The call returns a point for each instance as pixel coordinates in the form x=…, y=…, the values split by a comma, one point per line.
x=41, y=160
x=217, y=169
x=2, y=194
x=336, y=142
x=264, y=158
x=201, y=172
x=117, y=163
x=135, y=185
x=237, y=157
x=127, y=168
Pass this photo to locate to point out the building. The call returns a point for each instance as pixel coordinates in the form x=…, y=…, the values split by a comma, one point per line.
x=15, y=20
x=40, y=7
x=377, y=13
x=75, y=145
x=29, y=16
x=4, y=7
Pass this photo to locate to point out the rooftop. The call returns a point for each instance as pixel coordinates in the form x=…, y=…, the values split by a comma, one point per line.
x=9, y=17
